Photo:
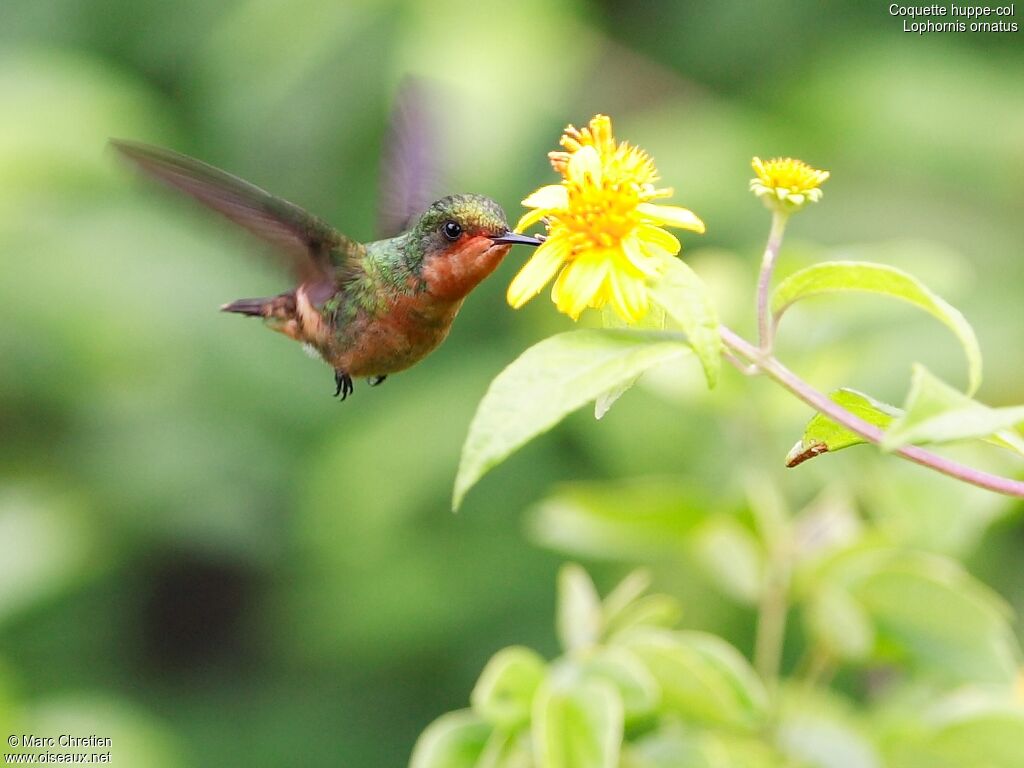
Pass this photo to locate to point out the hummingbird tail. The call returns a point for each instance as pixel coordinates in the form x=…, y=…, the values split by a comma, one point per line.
x=250, y=307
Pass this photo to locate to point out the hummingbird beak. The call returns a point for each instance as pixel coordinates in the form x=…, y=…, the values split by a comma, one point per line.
x=511, y=238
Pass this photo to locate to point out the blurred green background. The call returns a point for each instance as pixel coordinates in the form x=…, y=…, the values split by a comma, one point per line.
x=208, y=559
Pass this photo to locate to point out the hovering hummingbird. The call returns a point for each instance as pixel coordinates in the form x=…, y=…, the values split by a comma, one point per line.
x=367, y=309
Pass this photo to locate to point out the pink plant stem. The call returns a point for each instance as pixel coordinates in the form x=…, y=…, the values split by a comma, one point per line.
x=765, y=329
x=817, y=400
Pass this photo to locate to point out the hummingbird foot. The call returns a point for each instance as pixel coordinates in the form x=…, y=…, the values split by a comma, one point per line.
x=344, y=382
x=373, y=381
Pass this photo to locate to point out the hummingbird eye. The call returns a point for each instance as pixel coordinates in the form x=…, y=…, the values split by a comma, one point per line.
x=451, y=229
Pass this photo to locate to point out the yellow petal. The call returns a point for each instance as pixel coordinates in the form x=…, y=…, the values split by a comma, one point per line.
x=551, y=196
x=672, y=216
x=585, y=163
x=536, y=273
x=758, y=167
x=631, y=249
x=579, y=284
x=629, y=297
x=657, y=241
x=530, y=218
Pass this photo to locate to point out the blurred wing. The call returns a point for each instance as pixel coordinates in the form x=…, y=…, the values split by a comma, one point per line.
x=314, y=249
x=412, y=163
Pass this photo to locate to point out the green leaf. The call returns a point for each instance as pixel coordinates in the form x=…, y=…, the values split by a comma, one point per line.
x=637, y=688
x=631, y=520
x=829, y=277
x=838, y=623
x=937, y=413
x=506, y=749
x=994, y=739
x=654, y=320
x=930, y=609
x=731, y=556
x=579, y=609
x=822, y=435
x=577, y=724
x=504, y=693
x=818, y=729
x=971, y=728
x=662, y=611
x=701, y=676
x=626, y=607
x=625, y=593
x=685, y=299
x=674, y=746
x=549, y=381
x=454, y=740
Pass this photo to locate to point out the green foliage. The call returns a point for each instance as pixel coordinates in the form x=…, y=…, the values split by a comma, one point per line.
x=647, y=695
x=618, y=684
x=823, y=435
x=702, y=678
x=506, y=688
x=455, y=740
x=934, y=412
x=684, y=298
x=577, y=723
x=549, y=381
x=837, y=276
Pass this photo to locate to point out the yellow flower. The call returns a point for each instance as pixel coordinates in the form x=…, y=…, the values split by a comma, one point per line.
x=605, y=239
x=786, y=184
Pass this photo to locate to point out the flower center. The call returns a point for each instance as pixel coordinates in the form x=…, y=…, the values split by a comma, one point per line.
x=600, y=216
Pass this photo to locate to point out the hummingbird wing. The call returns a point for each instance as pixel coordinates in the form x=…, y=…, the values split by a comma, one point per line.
x=410, y=174
x=314, y=249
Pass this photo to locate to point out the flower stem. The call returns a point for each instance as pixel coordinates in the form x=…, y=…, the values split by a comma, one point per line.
x=765, y=329
x=773, y=523
x=821, y=403
x=771, y=626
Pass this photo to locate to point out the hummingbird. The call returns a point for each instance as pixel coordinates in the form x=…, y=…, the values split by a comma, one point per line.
x=367, y=309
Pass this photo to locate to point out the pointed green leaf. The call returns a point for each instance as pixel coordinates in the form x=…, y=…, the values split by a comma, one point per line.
x=504, y=693
x=825, y=436
x=654, y=320
x=937, y=413
x=549, y=381
x=577, y=724
x=625, y=593
x=833, y=276
x=657, y=611
x=685, y=299
x=822, y=435
x=636, y=686
x=455, y=740
x=701, y=676
x=579, y=609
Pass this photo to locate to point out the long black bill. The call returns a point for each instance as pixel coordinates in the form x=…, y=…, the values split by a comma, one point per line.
x=512, y=238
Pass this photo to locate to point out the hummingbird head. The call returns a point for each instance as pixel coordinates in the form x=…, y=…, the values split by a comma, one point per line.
x=459, y=240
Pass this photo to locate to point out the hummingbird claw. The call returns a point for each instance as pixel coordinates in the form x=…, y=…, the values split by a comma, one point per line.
x=344, y=382
x=373, y=381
